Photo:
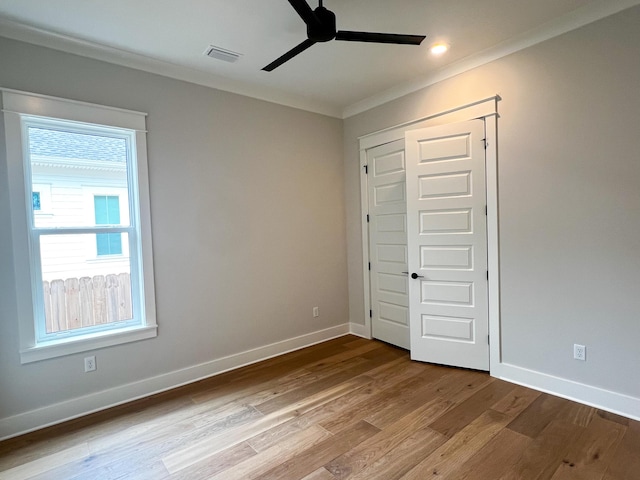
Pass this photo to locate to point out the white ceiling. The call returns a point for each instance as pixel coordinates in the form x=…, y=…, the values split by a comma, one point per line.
x=335, y=78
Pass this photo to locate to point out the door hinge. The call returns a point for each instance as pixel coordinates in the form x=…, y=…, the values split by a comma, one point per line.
x=366, y=169
x=367, y=218
x=487, y=274
x=370, y=313
x=369, y=265
x=486, y=210
x=486, y=144
x=488, y=340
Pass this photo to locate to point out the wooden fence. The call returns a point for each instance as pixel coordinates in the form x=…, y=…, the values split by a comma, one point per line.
x=82, y=302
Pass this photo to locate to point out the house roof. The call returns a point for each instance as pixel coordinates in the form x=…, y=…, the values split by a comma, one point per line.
x=46, y=142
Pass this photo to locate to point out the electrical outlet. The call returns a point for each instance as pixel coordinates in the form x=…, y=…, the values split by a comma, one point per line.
x=316, y=312
x=580, y=352
x=89, y=364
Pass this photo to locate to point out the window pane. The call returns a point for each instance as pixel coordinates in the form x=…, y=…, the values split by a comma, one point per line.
x=109, y=244
x=80, y=290
x=79, y=167
x=35, y=199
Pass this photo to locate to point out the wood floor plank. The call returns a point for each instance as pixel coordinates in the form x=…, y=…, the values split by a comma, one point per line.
x=199, y=451
x=165, y=438
x=625, y=464
x=409, y=402
x=460, y=448
x=271, y=368
x=338, y=377
x=581, y=415
x=398, y=461
x=29, y=447
x=220, y=462
x=391, y=396
x=44, y=464
x=308, y=461
x=380, y=381
x=153, y=470
x=255, y=391
x=495, y=458
x=320, y=474
x=545, y=453
x=350, y=409
x=276, y=455
x=461, y=415
x=538, y=415
x=591, y=453
x=369, y=451
x=516, y=401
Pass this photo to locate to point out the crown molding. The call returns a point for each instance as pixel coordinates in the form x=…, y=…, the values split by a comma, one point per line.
x=582, y=16
x=57, y=41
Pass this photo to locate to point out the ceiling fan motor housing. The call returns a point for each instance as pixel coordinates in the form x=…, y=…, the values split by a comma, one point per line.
x=327, y=30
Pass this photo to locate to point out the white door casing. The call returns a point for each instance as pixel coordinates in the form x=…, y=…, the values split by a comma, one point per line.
x=447, y=244
x=388, y=243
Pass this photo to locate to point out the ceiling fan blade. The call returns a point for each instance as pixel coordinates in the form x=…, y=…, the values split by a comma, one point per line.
x=306, y=13
x=289, y=55
x=379, y=37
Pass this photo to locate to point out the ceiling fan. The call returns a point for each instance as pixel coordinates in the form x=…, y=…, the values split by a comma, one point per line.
x=321, y=27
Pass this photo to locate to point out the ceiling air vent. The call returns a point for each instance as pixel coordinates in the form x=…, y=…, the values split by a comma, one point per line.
x=222, y=54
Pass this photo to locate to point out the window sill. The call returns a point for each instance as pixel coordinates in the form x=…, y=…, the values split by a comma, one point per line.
x=86, y=343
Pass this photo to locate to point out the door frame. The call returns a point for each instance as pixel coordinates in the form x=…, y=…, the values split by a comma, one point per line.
x=487, y=109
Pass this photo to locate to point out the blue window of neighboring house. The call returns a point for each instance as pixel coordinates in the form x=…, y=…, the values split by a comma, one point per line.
x=36, y=201
x=107, y=209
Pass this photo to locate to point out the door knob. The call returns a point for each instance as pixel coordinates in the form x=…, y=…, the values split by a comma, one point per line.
x=415, y=275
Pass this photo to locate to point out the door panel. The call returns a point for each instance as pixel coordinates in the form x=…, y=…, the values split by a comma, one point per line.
x=447, y=244
x=388, y=243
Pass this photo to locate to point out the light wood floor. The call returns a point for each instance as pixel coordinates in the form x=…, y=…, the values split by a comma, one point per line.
x=346, y=409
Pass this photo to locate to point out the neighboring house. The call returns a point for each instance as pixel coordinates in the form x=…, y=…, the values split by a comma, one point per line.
x=79, y=180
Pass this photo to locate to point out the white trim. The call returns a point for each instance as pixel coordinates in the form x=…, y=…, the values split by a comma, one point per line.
x=27, y=103
x=25, y=108
x=565, y=23
x=561, y=387
x=85, y=343
x=80, y=406
x=493, y=238
x=366, y=277
x=485, y=108
x=476, y=109
x=360, y=330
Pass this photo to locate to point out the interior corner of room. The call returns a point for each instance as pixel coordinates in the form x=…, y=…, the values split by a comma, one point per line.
x=261, y=241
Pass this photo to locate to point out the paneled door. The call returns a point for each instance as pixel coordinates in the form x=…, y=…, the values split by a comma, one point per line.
x=388, y=243
x=447, y=244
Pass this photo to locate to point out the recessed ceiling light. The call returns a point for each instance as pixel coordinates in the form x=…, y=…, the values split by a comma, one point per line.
x=439, y=48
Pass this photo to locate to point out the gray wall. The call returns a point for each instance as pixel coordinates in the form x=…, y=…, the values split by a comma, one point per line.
x=569, y=195
x=247, y=210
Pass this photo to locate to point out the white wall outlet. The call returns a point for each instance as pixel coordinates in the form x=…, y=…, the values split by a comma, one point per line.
x=89, y=364
x=316, y=312
x=579, y=352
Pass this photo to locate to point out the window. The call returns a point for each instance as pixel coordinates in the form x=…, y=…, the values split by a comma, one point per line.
x=35, y=198
x=58, y=151
x=107, y=209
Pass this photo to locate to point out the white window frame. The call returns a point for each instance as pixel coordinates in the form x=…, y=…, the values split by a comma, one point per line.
x=20, y=108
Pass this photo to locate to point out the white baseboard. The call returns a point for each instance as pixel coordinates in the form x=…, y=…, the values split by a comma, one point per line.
x=77, y=407
x=613, y=402
x=359, y=330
